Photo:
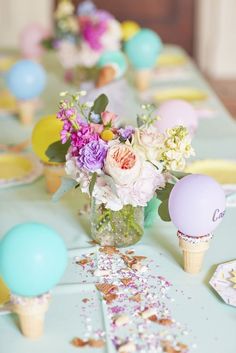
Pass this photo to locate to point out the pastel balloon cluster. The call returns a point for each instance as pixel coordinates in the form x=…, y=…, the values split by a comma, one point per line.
x=33, y=258
x=26, y=79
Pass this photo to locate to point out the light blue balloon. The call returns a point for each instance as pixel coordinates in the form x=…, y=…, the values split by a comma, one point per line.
x=33, y=258
x=26, y=79
x=143, y=49
x=115, y=58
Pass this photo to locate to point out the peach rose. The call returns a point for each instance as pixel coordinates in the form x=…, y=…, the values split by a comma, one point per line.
x=123, y=164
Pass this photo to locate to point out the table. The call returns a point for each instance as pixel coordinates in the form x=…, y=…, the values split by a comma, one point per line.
x=211, y=323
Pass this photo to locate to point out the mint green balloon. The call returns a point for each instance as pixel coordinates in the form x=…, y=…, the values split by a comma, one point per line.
x=143, y=49
x=33, y=258
x=115, y=58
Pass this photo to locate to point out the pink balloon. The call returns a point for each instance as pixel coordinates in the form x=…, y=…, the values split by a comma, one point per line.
x=177, y=112
x=30, y=41
x=197, y=205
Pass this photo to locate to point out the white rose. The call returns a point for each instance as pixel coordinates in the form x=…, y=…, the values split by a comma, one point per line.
x=148, y=141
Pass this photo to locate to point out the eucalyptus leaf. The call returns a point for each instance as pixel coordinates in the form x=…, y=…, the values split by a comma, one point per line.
x=179, y=175
x=110, y=182
x=66, y=185
x=57, y=151
x=163, y=194
x=163, y=211
x=100, y=104
x=92, y=183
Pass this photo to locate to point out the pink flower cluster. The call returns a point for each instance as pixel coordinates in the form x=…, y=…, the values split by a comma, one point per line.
x=92, y=32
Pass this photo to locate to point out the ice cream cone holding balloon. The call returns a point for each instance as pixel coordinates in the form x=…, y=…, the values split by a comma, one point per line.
x=26, y=80
x=46, y=132
x=142, y=50
x=28, y=255
x=112, y=66
x=196, y=206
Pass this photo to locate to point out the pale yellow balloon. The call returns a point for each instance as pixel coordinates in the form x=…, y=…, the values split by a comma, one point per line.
x=46, y=131
x=4, y=293
x=129, y=29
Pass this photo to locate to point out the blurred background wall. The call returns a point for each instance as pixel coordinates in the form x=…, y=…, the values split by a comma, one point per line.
x=205, y=28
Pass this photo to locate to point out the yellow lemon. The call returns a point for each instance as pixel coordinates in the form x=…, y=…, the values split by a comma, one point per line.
x=107, y=135
x=46, y=131
x=129, y=29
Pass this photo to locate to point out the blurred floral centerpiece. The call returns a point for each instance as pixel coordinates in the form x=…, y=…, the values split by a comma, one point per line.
x=120, y=168
x=82, y=35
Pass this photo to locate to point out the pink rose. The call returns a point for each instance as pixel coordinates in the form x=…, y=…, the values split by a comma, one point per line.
x=123, y=164
x=97, y=128
x=108, y=118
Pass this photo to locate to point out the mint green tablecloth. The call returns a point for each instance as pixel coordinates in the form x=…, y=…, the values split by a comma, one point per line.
x=211, y=322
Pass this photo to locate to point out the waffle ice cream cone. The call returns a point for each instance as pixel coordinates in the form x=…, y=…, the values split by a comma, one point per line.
x=53, y=174
x=142, y=79
x=26, y=111
x=193, y=253
x=106, y=75
x=31, y=313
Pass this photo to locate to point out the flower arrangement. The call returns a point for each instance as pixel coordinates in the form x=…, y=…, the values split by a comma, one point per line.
x=120, y=168
x=82, y=37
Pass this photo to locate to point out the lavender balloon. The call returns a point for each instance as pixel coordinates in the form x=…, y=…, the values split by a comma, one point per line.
x=177, y=112
x=197, y=205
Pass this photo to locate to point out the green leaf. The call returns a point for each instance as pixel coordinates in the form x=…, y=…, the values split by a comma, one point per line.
x=92, y=183
x=178, y=175
x=163, y=211
x=110, y=182
x=163, y=194
x=100, y=104
x=66, y=185
x=48, y=43
x=56, y=152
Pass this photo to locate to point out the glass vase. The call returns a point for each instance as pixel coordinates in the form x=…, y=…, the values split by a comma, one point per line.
x=116, y=228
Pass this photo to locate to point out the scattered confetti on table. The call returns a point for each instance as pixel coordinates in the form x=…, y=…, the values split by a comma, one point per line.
x=136, y=300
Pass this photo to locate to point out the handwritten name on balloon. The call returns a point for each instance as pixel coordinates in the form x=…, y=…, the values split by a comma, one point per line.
x=217, y=215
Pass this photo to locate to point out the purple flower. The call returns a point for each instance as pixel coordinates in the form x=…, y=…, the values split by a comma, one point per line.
x=65, y=113
x=92, y=156
x=86, y=8
x=66, y=131
x=82, y=137
x=126, y=133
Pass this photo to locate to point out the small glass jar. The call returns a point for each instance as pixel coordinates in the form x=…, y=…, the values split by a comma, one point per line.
x=116, y=228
